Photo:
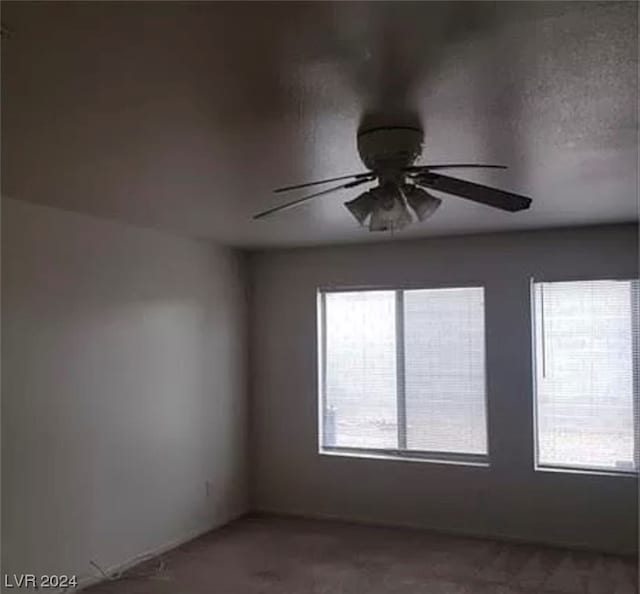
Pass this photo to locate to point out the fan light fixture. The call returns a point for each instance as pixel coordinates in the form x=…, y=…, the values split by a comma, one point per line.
x=387, y=207
x=422, y=203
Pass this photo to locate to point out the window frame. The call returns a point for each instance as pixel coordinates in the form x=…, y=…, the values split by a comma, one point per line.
x=568, y=468
x=400, y=453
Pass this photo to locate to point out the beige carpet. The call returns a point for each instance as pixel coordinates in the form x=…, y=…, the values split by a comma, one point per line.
x=271, y=555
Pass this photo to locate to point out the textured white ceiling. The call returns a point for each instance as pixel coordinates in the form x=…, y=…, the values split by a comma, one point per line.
x=184, y=116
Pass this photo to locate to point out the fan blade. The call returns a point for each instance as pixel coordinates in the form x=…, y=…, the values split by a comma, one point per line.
x=324, y=181
x=288, y=205
x=420, y=168
x=476, y=192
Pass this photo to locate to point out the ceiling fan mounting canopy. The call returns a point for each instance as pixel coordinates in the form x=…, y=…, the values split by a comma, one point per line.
x=390, y=153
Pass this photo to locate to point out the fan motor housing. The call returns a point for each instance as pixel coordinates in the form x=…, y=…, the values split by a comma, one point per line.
x=390, y=148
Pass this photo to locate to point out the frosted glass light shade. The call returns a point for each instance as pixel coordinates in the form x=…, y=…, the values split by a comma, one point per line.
x=362, y=206
x=394, y=218
x=422, y=203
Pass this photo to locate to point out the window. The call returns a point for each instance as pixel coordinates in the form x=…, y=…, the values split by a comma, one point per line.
x=403, y=373
x=586, y=349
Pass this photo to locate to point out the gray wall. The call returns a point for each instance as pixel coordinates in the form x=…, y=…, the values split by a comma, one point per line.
x=123, y=390
x=508, y=499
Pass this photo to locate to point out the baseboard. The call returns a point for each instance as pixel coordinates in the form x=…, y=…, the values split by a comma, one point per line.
x=87, y=581
x=376, y=522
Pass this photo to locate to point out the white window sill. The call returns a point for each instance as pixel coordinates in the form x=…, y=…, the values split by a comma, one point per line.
x=585, y=471
x=406, y=456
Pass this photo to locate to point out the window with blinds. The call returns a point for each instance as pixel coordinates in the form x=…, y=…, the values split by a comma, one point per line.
x=402, y=373
x=586, y=355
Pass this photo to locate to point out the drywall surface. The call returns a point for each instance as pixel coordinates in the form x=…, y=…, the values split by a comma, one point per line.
x=510, y=499
x=123, y=393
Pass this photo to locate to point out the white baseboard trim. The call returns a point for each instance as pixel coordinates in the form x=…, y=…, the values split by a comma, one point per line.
x=90, y=580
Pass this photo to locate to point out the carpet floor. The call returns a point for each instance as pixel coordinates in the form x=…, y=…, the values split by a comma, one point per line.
x=274, y=555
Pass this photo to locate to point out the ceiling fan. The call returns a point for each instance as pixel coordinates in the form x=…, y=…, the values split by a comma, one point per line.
x=389, y=153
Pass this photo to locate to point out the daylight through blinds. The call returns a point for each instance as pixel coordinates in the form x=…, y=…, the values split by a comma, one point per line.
x=404, y=371
x=587, y=374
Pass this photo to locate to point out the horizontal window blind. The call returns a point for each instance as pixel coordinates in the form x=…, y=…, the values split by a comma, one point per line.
x=404, y=371
x=587, y=374
x=445, y=370
x=360, y=377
